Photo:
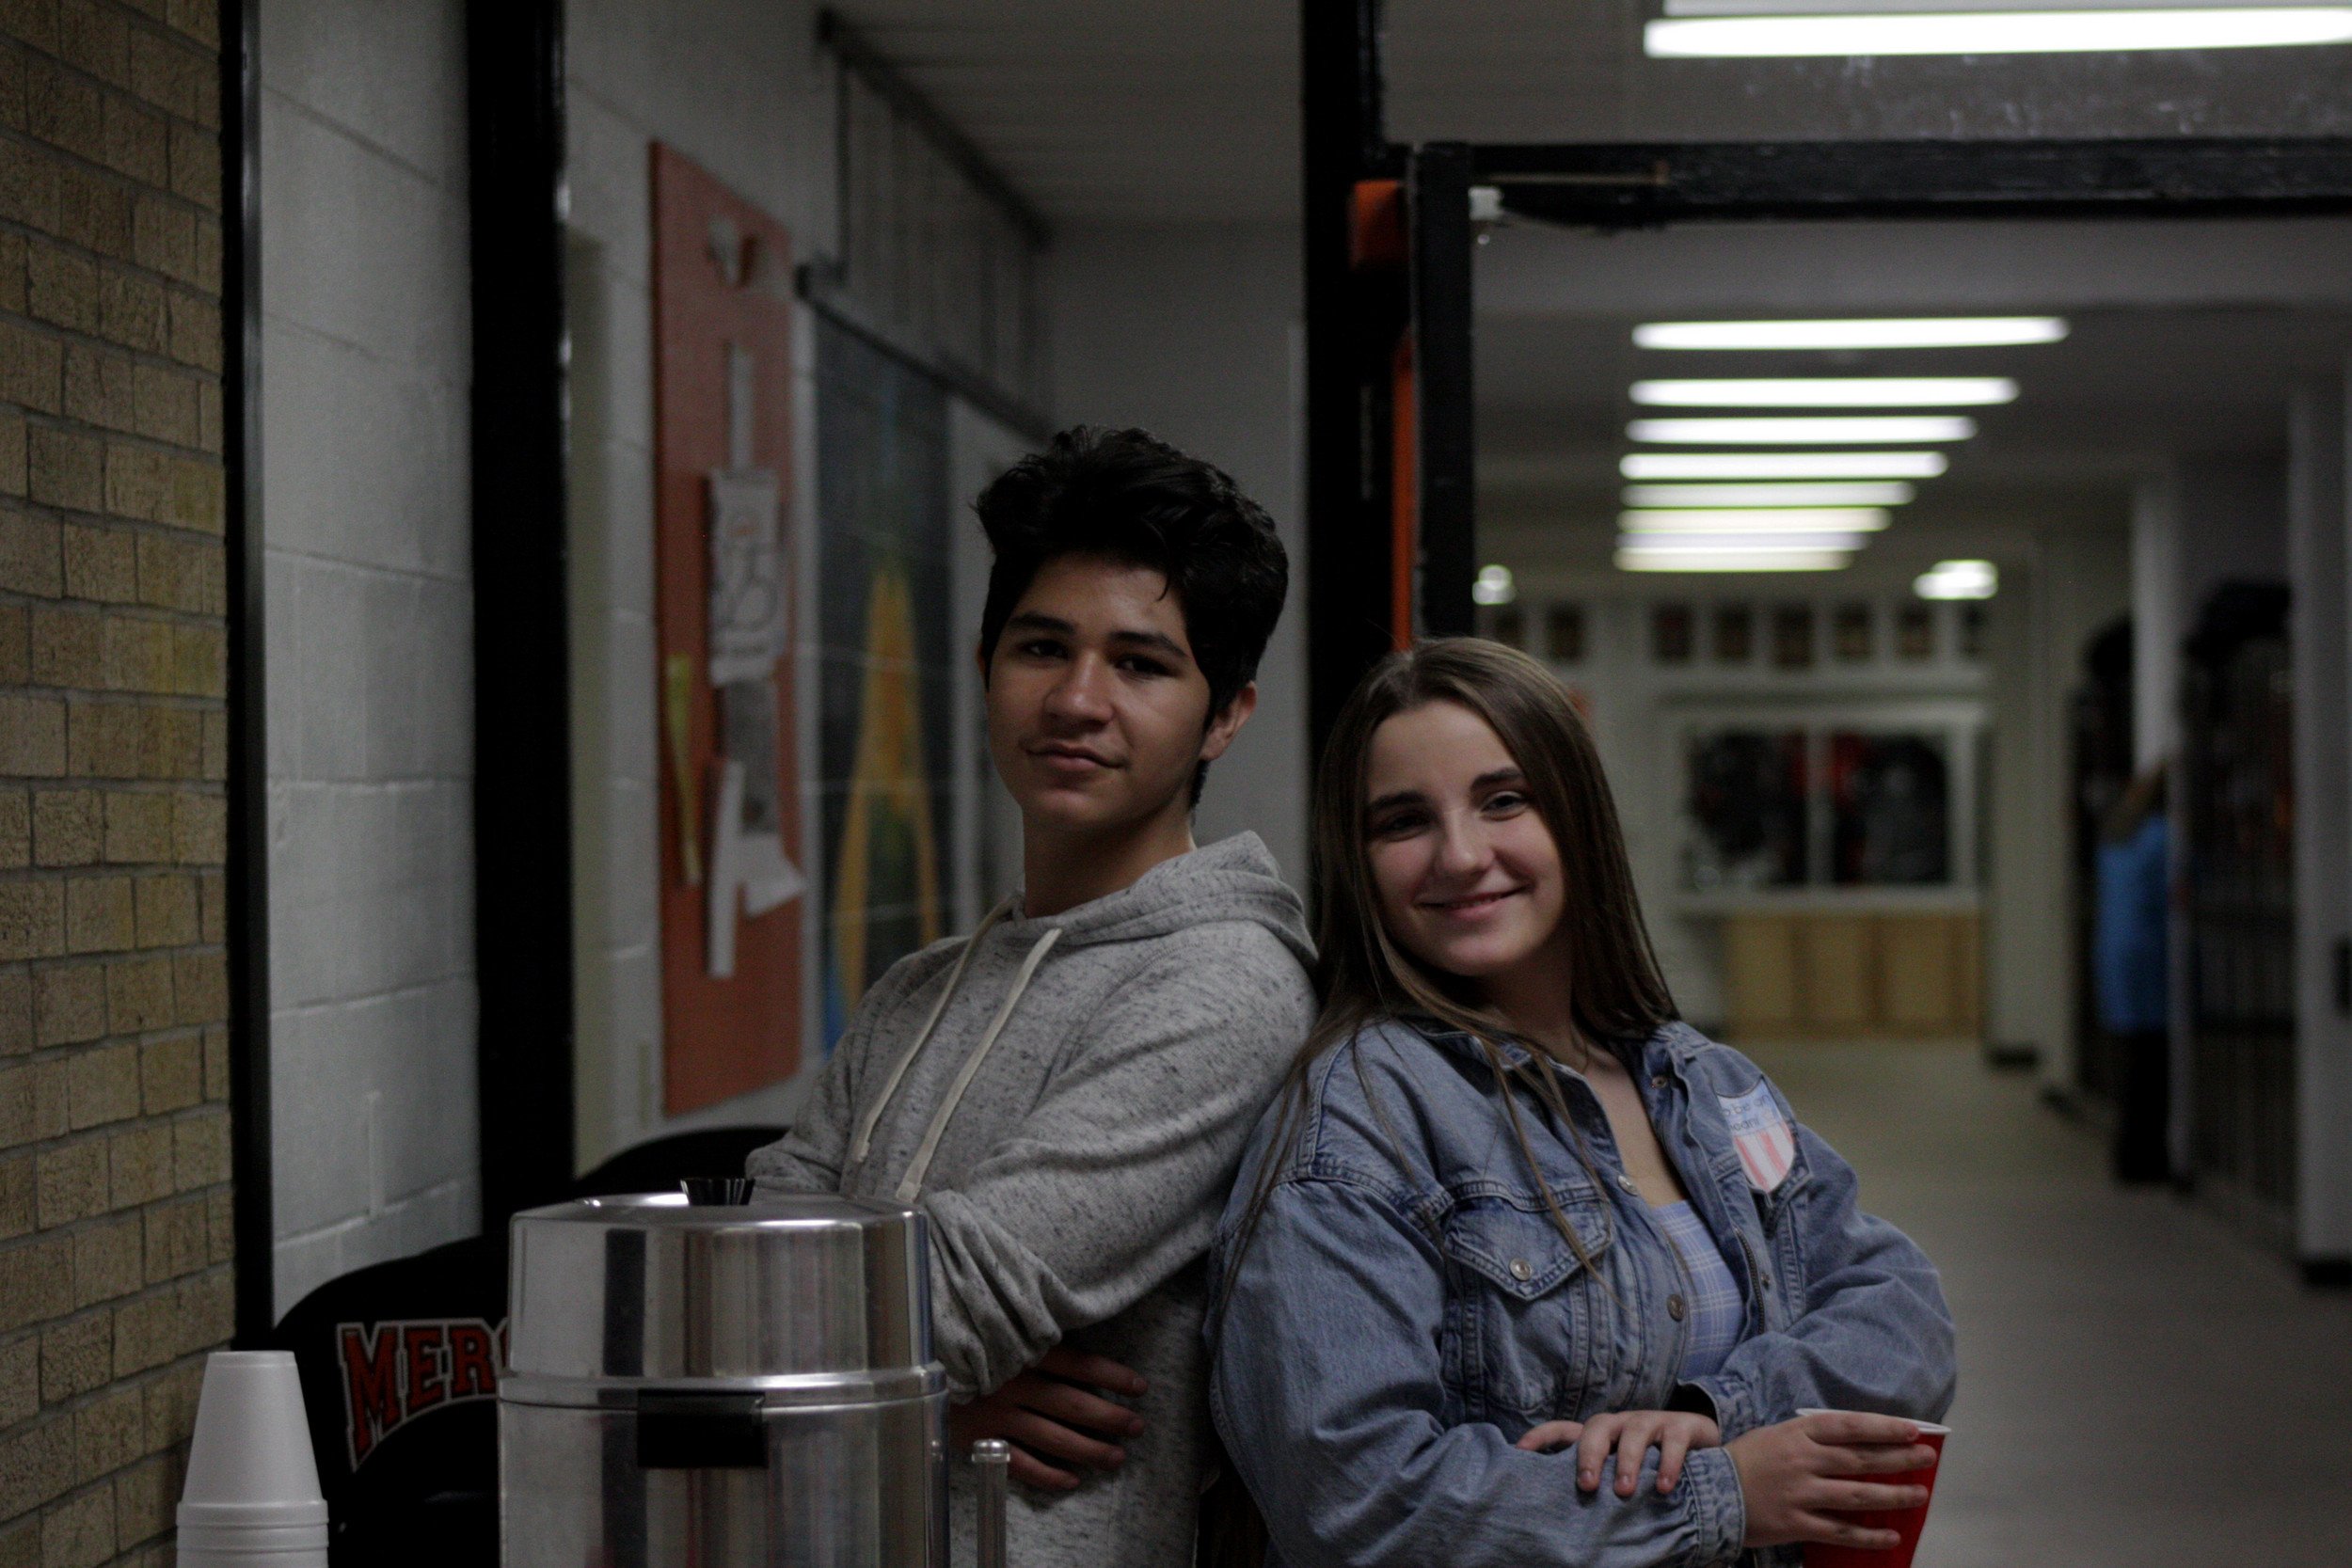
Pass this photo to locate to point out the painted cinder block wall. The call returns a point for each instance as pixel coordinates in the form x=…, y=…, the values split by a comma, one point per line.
x=366, y=347
x=114, y=1133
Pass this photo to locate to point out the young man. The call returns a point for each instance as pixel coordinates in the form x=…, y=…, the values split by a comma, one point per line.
x=1066, y=1093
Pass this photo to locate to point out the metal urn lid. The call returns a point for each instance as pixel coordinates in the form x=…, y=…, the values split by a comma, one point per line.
x=802, y=1300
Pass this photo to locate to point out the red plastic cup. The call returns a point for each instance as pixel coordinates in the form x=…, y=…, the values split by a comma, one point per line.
x=1905, y=1522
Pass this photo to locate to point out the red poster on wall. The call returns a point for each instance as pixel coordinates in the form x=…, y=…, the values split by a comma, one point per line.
x=731, y=852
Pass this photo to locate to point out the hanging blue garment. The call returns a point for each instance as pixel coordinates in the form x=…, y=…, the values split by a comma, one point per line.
x=2130, y=932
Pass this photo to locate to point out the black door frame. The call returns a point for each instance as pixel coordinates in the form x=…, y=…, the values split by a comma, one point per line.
x=1616, y=186
x=1352, y=458
x=522, y=658
x=252, y=1206
x=523, y=762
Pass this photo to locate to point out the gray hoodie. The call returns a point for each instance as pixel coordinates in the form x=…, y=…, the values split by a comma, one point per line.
x=1066, y=1100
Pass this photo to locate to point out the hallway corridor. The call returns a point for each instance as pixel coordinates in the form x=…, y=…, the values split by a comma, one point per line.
x=2138, y=1389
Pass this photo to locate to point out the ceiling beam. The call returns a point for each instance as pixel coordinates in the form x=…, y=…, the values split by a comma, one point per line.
x=1646, y=184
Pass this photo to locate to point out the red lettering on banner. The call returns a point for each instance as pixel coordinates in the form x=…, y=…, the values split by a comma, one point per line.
x=370, y=1386
x=473, y=1361
x=427, y=1384
x=395, y=1371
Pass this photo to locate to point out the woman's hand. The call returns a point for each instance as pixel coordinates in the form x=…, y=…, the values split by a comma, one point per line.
x=1793, y=1474
x=1633, y=1432
x=1051, y=1411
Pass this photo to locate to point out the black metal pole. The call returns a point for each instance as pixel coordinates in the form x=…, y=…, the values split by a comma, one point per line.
x=522, y=744
x=252, y=1213
x=1347, y=558
x=1444, y=392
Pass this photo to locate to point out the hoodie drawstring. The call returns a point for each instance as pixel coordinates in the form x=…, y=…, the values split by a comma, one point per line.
x=863, y=1143
x=916, y=1172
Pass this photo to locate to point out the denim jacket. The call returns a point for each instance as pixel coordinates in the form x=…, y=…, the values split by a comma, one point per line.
x=1406, y=1307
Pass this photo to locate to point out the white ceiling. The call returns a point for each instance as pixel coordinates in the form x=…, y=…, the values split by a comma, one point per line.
x=1187, y=111
x=1124, y=111
x=1542, y=70
x=2189, y=336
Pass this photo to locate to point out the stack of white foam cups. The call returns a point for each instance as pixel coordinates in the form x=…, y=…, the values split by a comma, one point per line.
x=252, y=1496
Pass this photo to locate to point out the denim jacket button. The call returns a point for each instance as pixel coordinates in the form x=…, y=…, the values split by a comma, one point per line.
x=1627, y=1183
x=1521, y=1269
x=1659, y=1082
x=1675, y=1307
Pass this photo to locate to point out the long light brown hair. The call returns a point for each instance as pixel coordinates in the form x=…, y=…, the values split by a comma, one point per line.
x=1616, y=993
x=1615, y=990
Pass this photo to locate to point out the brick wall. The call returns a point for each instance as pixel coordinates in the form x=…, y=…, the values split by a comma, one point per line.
x=113, y=1130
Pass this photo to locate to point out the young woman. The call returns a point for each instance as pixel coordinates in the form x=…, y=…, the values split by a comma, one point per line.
x=1521, y=1270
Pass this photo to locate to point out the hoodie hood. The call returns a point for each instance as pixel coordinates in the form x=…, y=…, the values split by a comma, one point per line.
x=1234, y=879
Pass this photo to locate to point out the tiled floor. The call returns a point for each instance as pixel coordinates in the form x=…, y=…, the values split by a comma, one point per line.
x=2138, y=1389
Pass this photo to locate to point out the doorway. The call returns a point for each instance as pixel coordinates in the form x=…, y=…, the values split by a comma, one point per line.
x=1412, y=441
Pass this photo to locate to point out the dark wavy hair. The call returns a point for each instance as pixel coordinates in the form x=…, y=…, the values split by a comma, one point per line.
x=1125, y=496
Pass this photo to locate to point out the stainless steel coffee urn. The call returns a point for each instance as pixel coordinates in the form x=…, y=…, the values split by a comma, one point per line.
x=719, y=1385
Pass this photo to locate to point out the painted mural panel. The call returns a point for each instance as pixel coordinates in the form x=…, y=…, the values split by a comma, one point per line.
x=885, y=613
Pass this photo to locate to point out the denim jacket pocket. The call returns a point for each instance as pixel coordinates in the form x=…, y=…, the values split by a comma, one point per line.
x=1521, y=1333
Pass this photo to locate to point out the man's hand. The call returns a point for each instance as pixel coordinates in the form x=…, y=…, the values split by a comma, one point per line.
x=1794, y=1475
x=1633, y=1432
x=1053, y=1410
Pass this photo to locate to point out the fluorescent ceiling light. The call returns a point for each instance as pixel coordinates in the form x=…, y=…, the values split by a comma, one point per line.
x=1777, y=520
x=1739, y=539
x=1830, y=391
x=1782, y=465
x=1956, y=31
x=1716, y=544
x=1833, y=431
x=1949, y=7
x=1854, y=493
x=1493, y=586
x=1958, y=579
x=1642, y=558
x=1881, y=332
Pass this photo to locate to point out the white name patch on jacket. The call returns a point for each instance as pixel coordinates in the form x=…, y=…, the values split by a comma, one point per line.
x=1767, y=1144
